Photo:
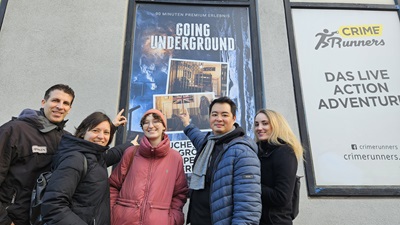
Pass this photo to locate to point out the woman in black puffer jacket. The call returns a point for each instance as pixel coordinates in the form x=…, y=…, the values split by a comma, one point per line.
x=76, y=195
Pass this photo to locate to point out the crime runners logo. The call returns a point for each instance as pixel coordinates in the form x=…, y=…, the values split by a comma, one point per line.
x=360, y=35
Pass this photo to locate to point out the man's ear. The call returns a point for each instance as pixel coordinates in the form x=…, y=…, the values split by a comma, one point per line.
x=43, y=102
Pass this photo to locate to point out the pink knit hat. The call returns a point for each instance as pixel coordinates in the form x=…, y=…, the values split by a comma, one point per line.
x=157, y=112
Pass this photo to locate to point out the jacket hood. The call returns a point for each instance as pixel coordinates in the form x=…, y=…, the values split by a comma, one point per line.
x=39, y=120
x=161, y=150
x=71, y=143
x=243, y=139
x=246, y=141
x=266, y=147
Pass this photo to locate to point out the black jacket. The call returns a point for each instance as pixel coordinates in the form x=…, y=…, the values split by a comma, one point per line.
x=27, y=146
x=278, y=175
x=73, y=197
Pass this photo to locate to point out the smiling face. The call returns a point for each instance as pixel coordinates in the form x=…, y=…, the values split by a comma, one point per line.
x=57, y=106
x=262, y=127
x=153, y=129
x=221, y=118
x=99, y=134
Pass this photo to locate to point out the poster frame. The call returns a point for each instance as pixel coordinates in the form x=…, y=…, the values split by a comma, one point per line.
x=313, y=189
x=3, y=6
x=129, y=42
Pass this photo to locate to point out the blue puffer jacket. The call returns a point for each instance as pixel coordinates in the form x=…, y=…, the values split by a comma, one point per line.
x=235, y=188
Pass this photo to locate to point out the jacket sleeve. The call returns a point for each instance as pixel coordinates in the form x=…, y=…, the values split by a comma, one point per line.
x=180, y=195
x=246, y=187
x=6, y=149
x=285, y=168
x=118, y=175
x=114, y=155
x=196, y=136
x=60, y=190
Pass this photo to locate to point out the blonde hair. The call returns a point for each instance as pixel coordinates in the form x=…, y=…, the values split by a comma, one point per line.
x=281, y=130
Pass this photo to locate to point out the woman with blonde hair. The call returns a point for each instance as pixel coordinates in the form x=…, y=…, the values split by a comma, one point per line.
x=279, y=153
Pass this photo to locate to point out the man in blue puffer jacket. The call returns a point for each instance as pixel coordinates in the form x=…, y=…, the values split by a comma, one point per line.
x=225, y=183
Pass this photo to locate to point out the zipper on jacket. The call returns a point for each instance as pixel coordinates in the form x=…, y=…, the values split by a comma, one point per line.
x=144, y=204
x=214, y=167
x=12, y=199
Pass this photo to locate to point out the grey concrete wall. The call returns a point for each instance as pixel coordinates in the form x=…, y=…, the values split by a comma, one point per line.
x=81, y=43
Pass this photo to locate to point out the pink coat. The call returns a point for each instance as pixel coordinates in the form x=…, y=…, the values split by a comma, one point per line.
x=153, y=190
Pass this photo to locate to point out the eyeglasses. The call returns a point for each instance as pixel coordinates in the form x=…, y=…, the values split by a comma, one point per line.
x=155, y=123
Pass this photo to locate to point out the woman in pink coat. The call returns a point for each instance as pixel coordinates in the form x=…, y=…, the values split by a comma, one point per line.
x=149, y=185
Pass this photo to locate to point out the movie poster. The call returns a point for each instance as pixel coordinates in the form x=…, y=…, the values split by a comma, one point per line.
x=184, y=57
x=350, y=78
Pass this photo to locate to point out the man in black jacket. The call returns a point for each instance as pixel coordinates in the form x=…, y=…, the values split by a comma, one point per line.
x=27, y=146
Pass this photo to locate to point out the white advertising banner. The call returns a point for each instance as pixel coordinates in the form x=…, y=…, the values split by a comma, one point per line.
x=349, y=68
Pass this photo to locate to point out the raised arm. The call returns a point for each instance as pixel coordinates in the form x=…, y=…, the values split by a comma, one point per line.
x=185, y=117
x=120, y=119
